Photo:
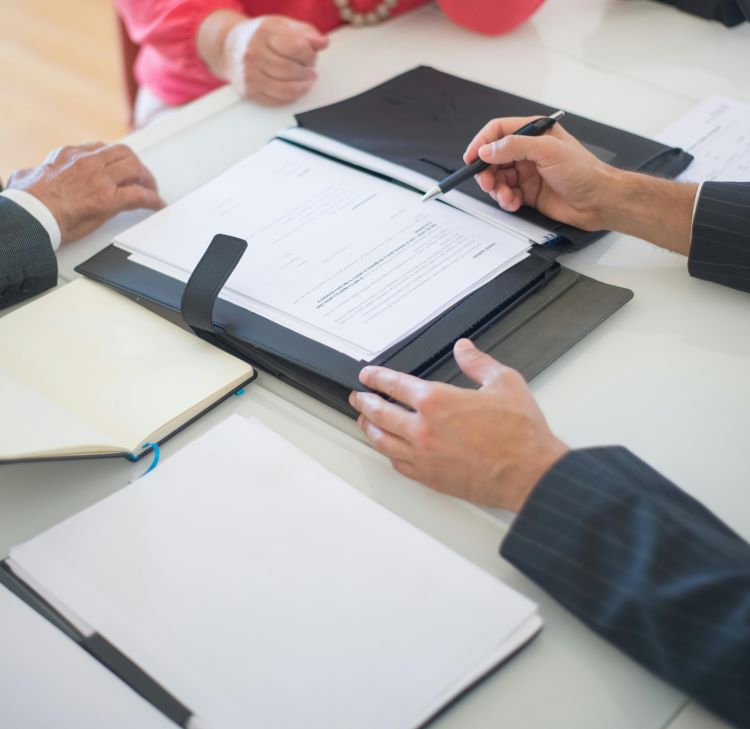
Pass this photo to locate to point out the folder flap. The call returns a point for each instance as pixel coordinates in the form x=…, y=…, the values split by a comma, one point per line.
x=207, y=280
x=545, y=326
x=423, y=119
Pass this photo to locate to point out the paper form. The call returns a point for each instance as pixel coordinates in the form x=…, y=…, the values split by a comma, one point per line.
x=340, y=256
x=717, y=133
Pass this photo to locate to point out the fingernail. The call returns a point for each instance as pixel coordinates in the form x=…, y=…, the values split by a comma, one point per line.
x=464, y=344
x=485, y=149
x=365, y=374
x=353, y=399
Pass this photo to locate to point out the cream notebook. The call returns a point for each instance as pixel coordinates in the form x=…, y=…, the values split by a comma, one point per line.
x=88, y=372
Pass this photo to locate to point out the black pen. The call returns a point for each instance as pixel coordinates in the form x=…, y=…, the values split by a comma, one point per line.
x=532, y=129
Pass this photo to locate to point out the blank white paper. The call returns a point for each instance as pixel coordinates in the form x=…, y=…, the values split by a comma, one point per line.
x=46, y=680
x=263, y=591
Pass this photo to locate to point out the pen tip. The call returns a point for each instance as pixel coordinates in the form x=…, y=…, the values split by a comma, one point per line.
x=432, y=192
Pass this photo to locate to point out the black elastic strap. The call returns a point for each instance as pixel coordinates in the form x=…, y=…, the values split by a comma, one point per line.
x=208, y=279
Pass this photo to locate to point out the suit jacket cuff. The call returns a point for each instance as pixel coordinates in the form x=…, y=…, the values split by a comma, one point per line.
x=35, y=207
x=720, y=248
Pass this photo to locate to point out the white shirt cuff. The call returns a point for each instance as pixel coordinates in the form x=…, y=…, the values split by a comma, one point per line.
x=695, y=202
x=36, y=208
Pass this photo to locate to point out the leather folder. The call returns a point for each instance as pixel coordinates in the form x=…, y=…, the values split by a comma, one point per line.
x=526, y=316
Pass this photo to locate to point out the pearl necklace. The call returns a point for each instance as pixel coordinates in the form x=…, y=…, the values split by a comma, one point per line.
x=381, y=11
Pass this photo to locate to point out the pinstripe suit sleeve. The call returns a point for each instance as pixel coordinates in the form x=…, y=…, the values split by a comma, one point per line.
x=645, y=566
x=28, y=264
x=720, y=248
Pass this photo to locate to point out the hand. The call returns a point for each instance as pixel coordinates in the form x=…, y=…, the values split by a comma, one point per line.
x=271, y=59
x=85, y=186
x=554, y=173
x=490, y=446
x=557, y=175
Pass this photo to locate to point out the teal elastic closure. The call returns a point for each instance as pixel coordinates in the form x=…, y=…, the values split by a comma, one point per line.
x=155, y=462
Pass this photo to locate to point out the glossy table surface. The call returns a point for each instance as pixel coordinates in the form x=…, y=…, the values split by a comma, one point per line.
x=665, y=376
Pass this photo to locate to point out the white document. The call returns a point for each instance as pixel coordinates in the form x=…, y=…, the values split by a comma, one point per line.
x=492, y=214
x=262, y=591
x=46, y=680
x=342, y=257
x=717, y=133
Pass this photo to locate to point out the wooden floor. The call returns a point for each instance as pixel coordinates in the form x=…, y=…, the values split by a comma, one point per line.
x=60, y=80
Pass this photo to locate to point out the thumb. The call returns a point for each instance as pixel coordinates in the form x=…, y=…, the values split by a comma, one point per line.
x=514, y=148
x=475, y=364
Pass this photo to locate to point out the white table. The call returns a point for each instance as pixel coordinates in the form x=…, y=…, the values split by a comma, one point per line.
x=662, y=376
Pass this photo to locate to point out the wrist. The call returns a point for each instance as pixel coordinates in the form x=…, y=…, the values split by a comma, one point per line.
x=534, y=472
x=650, y=208
x=214, y=41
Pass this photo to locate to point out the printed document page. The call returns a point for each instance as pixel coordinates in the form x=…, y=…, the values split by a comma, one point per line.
x=263, y=591
x=338, y=255
x=717, y=133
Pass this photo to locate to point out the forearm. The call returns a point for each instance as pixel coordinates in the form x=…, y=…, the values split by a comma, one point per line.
x=651, y=208
x=212, y=40
x=647, y=567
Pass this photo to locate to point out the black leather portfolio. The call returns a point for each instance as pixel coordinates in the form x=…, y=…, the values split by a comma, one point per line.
x=526, y=316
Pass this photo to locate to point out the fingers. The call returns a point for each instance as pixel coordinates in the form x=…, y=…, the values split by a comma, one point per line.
x=282, y=69
x=134, y=197
x=314, y=37
x=539, y=150
x=282, y=92
x=406, y=389
x=131, y=171
x=389, y=445
x=506, y=126
x=386, y=415
x=494, y=130
x=475, y=364
x=293, y=46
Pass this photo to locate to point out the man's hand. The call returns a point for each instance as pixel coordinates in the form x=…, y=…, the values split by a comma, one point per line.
x=85, y=186
x=557, y=175
x=490, y=446
x=554, y=172
x=270, y=59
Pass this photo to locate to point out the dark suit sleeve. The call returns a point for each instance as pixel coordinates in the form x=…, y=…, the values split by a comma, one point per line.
x=720, y=248
x=645, y=566
x=28, y=264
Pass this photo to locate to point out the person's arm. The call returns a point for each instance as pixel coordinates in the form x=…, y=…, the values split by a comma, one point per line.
x=28, y=264
x=270, y=59
x=630, y=554
x=558, y=175
x=645, y=566
x=720, y=249
x=489, y=17
x=74, y=192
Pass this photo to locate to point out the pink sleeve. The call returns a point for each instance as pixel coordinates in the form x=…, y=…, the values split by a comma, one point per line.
x=490, y=17
x=168, y=63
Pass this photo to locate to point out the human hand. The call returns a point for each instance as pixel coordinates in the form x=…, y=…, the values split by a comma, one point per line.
x=271, y=58
x=490, y=446
x=554, y=173
x=85, y=186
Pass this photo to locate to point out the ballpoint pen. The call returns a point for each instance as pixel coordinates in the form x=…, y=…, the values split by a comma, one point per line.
x=532, y=129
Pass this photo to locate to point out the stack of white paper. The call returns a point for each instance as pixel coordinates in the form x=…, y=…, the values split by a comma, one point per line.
x=260, y=590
